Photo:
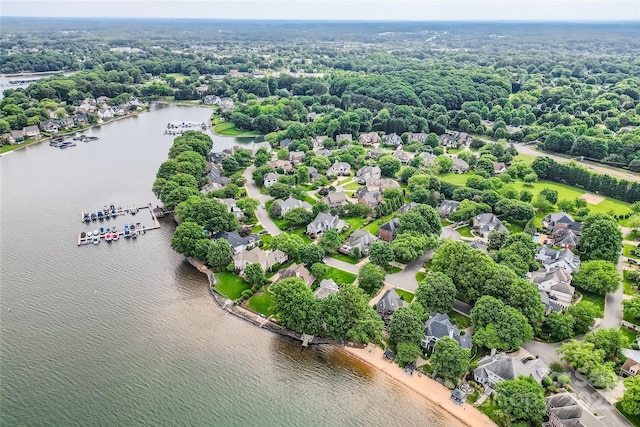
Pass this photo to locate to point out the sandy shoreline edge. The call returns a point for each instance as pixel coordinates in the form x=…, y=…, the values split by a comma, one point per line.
x=431, y=390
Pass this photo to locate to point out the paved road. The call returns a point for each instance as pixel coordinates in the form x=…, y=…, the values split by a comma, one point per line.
x=341, y=265
x=261, y=213
x=596, y=167
x=613, y=304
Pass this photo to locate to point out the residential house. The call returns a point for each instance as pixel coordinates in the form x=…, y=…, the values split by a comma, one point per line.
x=312, y=116
x=420, y=137
x=211, y=100
x=447, y=140
x=81, y=119
x=318, y=141
x=31, y=132
x=403, y=156
x=238, y=243
x=393, y=139
x=266, y=259
x=478, y=244
x=323, y=152
x=499, y=168
x=296, y=157
x=447, y=207
x=552, y=258
x=49, y=126
x=119, y=110
x=327, y=287
x=488, y=222
x=369, y=138
x=313, y=173
x=296, y=270
x=215, y=175
x=339, y=168
x=232, y=207
x=359, y=239
x=406, y=207
x=459, y=165
x=102, y=100
x=335, y=199
x=323, y=223
x=567, y=239
x=556, y=282
x=388, y=230
x=428, y=158
x=105, y=114
x=564, y=410
x=285, y=165
x=344, y=147
x=561, y=221
x=270, y=178
x=17, y=136
x=388, y=304
x=7, y=138
x=67, y=123
x=463, y=138
x=497, y=368
x=372, y=199
x=368, y=172
x=549, y=304
x=291, y=203
x=376, y=152
x=381, y=184
x=347, y=137
x=285, y=143
x=631, y=366
x=227, y=104
x=439, y=325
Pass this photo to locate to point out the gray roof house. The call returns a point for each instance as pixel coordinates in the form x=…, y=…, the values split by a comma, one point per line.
x=359, y=239
x=335, y=199
x=556, y=282
x=237, y=243
x=296, y=270
x=549, y=304
x=270, y=178
x=375, y=153
x=564, y=410
x=327, y=287
x=552, y=258
x=291, y=203
x=339, y=168
x=393, y=139
x=296, y=157
x=368, y=172
x=344, y=137
x=447, y=140
x=439, y=325
x=478, y=244
x=494, y=369
x=388, y=230
x=323, y=152
x=232, y=206
x=459, y=165
x=381, y=184
x=266, y=259
x=388, y=304
x=420, y=137
x=406, y=207
x=488, y=222
x=428, y=158
x=551, y=221
x=369, y=138
x=313, y=173
x=369, y=198
x=447, y=207
x=402, y=155
x=566, y=238
x=323, y=223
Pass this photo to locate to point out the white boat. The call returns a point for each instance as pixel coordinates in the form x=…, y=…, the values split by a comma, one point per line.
x=96, y=240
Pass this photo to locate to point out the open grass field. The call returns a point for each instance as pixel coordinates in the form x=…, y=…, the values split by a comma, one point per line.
x=178, y=76
x=230, y=286
x=355, y=224
x=345, y=258
x=340, y=276
x=261, y=303
x=465, y=231
x=526, y=158
x=405, y=295
x=374, y=226
x=229, y=129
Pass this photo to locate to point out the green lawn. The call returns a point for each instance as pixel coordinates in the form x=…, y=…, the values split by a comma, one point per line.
x=5, y=148
x=178, y=76
x=489, y=407
x=312, y=201
x=598, y=300
x=631, y=336
x=454, y=150
x=420, y=275
x=229, y=129
x=514, y=226
x=526, y=158
x=340, y=276
x=459, y=320
x=465, y=231
x=627, y=284
x=633, y=419
x=344, y=181
x=266, y=239
x=355, y=223
x=405, y=295
x=230, y=286
x=352, y=186
x=627, y=250
x=345, y=258
x=257, y=228
x=455, y=178
x=261, y=303
x=374, y=226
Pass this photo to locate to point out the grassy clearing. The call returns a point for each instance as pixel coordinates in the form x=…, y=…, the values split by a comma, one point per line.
x=345, y=258
x=340, y=276
x=344, y=181
x=355, y=223
x=455, y=178
x=631, y=336
x=178, y=76
x=633, y=419
x=454, y=150
x=374, y=226
x=514, y=226
x=459, y=320
x=598, y=300
x=405, y=295
x=257, y=228
x=627, y=251
x=420, y=275
x=491, y=409
x=465, y=231
x=230, y=286
x=6, y=148
x=229, y=129
x=261, y=303
x=312, y=201
x=266, y=239
x=526, y=158
x=353, y=186
x=627, y=284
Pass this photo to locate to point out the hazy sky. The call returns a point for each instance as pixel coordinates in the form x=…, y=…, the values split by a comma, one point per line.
x=417, y=10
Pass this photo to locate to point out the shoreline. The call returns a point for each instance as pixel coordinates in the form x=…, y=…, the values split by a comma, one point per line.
x=431, y=390
x=425, y=387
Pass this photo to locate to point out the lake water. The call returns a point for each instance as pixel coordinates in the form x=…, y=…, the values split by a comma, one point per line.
x=126, y=333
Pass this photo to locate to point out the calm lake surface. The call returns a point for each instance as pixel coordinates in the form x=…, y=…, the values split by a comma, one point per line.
x=126, y=333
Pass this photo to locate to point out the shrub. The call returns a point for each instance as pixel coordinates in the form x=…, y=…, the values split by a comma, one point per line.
x=247, y=293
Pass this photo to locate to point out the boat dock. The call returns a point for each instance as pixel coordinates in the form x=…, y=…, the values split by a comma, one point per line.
x=132, y=230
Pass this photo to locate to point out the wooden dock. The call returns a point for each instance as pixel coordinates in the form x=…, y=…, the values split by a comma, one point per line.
x=139, y=230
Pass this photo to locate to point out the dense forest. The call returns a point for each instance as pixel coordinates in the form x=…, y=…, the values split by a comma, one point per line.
x=573, y=89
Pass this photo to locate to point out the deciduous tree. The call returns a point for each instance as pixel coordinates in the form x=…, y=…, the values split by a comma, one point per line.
x=449, y=360
x=436, y=293
x=598, y=276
